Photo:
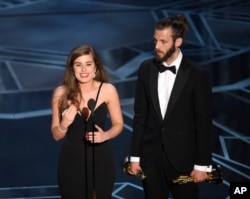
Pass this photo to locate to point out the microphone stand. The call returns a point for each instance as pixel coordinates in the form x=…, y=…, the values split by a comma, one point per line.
x=91, y=106
x=85, y=114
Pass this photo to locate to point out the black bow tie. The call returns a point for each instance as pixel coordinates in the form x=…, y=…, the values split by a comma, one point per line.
x=163, y=68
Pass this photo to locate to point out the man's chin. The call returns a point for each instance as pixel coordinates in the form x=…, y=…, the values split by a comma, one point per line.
x=158, y=58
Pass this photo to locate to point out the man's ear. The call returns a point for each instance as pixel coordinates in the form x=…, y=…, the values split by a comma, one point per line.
x=178, y=42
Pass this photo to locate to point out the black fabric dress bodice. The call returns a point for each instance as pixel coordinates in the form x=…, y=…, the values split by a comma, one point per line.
x=77, y=168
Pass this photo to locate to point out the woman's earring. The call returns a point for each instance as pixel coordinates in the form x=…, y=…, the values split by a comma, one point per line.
x=94, y=76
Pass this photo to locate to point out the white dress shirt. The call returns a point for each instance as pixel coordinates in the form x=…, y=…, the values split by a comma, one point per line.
x=166, y=81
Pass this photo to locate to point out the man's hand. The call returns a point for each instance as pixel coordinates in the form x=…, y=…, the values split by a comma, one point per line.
x=199, y=176
x=135, y=167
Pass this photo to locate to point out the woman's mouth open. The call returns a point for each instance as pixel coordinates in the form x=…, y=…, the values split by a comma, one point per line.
x=84, y=75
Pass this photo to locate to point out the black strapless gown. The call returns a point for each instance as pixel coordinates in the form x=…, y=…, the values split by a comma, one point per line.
x=75, y=166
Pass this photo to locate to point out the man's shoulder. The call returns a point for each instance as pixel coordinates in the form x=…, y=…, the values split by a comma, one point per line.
x=188, y=62
x=147, y=65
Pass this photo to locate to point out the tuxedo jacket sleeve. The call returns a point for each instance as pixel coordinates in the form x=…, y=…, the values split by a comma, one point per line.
x=184, y=135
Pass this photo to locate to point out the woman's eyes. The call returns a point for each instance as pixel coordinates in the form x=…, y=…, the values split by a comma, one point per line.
x=80, y=65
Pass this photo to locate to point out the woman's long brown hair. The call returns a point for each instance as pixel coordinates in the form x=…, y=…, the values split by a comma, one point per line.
x=70, y=83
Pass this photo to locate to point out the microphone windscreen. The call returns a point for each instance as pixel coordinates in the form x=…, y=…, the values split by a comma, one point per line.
x=85, y=113
x=91, y=104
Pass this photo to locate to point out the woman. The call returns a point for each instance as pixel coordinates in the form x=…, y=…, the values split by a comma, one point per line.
x=79, y=111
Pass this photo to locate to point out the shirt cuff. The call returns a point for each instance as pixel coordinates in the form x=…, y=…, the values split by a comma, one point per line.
x=134, y=159
x=203, y=168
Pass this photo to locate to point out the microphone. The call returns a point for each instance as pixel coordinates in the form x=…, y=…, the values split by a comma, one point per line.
x=91, y=105
x=85, y=113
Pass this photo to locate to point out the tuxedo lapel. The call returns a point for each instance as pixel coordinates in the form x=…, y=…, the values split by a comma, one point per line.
x=180, y=82
x=153, y=89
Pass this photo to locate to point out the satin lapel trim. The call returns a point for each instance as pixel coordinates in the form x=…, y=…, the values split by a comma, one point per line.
x=179, y=84
x=153, y=89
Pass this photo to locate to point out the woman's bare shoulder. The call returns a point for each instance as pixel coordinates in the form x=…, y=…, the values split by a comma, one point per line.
x=109, y=88
x=59, y=91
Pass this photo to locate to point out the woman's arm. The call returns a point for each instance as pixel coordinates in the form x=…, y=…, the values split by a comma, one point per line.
x=60, y=128
x=115, y=113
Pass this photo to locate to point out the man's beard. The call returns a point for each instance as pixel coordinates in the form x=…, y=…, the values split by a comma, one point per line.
x=167, y=55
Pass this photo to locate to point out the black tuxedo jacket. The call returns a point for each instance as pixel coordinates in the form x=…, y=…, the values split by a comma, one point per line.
x=184, y=135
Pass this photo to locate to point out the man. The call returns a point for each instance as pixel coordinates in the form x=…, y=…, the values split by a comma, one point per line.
x=173, y=117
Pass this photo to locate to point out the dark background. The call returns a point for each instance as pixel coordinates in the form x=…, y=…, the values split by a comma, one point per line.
x=35, y=39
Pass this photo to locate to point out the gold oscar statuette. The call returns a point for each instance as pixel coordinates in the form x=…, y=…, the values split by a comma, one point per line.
x=215, y=177
x=126, y=169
